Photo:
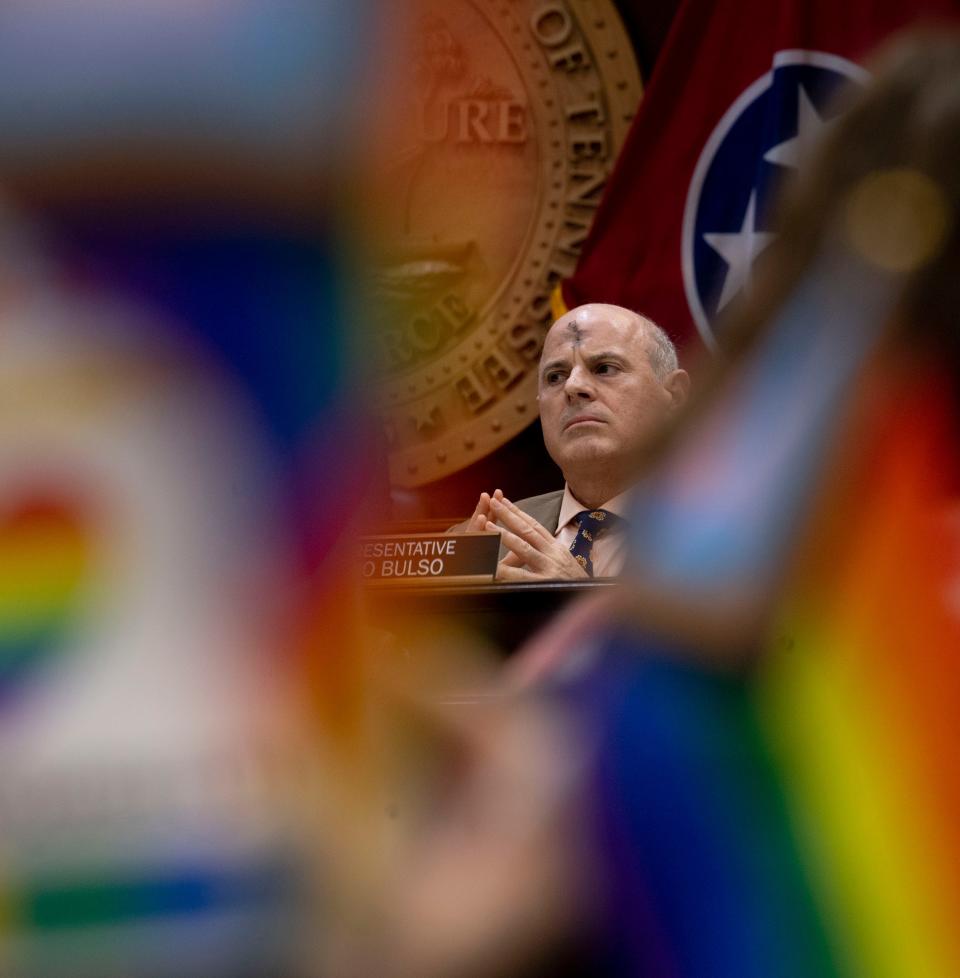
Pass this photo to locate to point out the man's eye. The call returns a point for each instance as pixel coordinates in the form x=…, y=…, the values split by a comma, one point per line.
x=606, y=368
x=554, y=377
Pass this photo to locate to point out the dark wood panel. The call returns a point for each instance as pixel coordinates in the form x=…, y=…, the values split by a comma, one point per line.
x=506, y=615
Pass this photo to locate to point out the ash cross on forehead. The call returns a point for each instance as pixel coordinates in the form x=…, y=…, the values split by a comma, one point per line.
x=575, y=334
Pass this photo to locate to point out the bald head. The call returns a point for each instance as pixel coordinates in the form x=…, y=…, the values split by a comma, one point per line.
x=660, y=349
x=608, y=379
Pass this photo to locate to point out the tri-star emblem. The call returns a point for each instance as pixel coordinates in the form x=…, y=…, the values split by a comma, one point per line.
x=765, y=135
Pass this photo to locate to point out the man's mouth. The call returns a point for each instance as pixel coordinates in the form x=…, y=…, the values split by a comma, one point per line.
x=581, y=419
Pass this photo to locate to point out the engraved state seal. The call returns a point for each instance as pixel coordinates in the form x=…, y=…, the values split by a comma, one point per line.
x=496, y=139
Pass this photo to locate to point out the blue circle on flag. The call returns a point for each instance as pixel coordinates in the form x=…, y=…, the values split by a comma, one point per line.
x=763, y=137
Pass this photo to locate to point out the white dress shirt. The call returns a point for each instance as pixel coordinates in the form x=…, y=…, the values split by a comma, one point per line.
x=610, y=551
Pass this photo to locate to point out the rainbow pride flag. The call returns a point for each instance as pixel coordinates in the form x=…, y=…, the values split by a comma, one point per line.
x=860, y=696
x=800, y=815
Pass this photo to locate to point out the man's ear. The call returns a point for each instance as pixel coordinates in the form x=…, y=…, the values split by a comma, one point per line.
x=677, y=385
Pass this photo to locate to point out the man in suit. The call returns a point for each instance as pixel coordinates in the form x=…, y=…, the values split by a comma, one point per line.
x=608, y=379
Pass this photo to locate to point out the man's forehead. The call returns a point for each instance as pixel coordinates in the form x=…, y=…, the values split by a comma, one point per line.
x=592, y=326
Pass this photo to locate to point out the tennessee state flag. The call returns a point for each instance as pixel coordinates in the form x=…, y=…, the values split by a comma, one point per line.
x=739, y=88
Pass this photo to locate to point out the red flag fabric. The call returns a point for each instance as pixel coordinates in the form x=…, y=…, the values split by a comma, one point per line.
x=739, y=87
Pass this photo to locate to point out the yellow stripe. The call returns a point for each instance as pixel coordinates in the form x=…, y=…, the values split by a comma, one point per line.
x=7, y=918
x=38, y=577
x=863, y=843
x=558, y=307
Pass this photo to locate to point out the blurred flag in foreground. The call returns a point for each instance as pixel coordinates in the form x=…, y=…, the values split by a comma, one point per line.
x=777, y=778
x=182, y=447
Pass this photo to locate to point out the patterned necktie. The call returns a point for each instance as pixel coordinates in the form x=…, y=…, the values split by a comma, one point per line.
x=593, y=523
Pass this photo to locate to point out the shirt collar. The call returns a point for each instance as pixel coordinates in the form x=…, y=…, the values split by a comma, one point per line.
x=570, y=506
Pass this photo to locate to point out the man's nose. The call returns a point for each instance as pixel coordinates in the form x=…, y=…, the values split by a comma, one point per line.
x=579, y=384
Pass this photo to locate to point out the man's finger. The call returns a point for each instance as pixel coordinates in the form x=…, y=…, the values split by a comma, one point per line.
x=520, y=523
x=505, y=572
x=519, y=530
x=477, y=522
x=526, y=518
x=528, y=555
x=483, y=504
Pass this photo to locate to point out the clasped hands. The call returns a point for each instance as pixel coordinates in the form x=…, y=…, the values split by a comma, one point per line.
x=535, y=554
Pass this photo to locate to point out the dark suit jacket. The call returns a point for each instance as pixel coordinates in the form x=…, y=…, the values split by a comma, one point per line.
x=545, y=509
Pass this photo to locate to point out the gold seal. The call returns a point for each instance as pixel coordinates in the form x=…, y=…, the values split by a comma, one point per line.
x=497, y=146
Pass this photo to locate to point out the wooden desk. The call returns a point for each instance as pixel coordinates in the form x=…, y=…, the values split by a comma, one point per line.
x=504, y=614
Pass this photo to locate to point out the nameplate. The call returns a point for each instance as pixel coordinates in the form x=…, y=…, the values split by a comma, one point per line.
x=430, y=558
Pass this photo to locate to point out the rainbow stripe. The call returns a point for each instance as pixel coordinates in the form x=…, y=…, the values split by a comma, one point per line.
x=41, y=906
x=45, y=559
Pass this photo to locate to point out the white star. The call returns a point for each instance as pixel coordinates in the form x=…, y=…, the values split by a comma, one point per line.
x=810, y=128
x=739, y=250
